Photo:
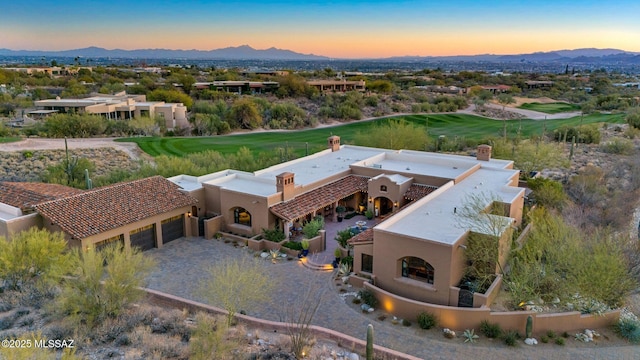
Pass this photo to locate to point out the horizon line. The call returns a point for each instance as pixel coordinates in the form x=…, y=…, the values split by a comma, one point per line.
x=313, y=54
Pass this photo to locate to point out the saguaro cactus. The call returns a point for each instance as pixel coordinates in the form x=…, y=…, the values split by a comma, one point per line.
x=529, y=327
x=88, y=180
x=369, y=342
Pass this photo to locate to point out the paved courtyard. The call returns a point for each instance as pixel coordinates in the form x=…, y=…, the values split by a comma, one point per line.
x=182, y=266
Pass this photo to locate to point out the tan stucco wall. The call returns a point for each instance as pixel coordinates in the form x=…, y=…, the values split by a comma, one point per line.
x=211, y=198
x=256, y=205
x=13, y=226
x=446, y=260
x=212, y=227
x=201, y=205
x=358, y=250
x=394, y=192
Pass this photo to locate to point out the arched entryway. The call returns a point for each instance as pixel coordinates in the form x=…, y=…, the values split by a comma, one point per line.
x=382, y=206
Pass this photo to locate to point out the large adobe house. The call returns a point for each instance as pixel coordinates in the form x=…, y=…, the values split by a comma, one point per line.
x=146, y=213
x=417, y=248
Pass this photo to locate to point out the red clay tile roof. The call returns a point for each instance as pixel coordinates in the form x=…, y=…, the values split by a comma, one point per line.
x=318, y=198
x=110, y=207
x=363, y=237
x=24, y=195
x=418, y=191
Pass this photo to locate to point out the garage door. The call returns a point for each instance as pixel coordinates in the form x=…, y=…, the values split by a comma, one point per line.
x=144, y=237
x=118, y=239
x=172, y=228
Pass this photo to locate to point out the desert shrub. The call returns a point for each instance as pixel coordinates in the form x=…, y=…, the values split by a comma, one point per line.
x=560, y=341
x=161, y=346
x=511, y=338
x=274, y=235
x=629, y=329
x=617, y=146
x=75, y=125
x=490, y=330
x=427, y=320
x=348, y=260
x=551, y=334
x=313, y=227
x=406, y=322
x=547, y=192
x=632, y=132
x=544, y=339
x=589, y=134
x=293, y=245
x=208, y=339
x=368, y=297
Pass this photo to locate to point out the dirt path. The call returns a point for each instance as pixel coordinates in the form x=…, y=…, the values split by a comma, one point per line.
x=58, y=144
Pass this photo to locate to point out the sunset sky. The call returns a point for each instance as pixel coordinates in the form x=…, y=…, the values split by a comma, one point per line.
x=340, y=29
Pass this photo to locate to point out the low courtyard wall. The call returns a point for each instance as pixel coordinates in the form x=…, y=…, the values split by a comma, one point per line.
x=457, y=318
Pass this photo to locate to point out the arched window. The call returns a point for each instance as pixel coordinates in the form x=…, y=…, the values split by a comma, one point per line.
x=417, y=269
x=241, y=216
x=383, y=188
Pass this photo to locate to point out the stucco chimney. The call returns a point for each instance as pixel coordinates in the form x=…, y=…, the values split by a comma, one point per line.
x=334, y=142
x=484, y=152
x=285, y=185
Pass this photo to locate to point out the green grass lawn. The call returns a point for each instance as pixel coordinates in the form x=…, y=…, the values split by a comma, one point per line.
x=550, y=108
x=9, y=139
x=451, y=125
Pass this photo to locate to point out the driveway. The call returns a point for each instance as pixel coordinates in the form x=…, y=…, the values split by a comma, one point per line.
x=182, y=267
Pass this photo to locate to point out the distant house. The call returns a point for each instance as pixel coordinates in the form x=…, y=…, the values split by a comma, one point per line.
x=337, y=85
x=538, y=84
x=239, y=87
x=495, y=89
x=117, y=107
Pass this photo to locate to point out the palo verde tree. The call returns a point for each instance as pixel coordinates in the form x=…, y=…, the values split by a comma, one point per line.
x=394, y=134
x=33, y=257
x=489, y=240
x=103, y=283
x=235, y=284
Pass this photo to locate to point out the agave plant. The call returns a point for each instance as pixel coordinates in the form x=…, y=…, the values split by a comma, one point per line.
x=470, y=336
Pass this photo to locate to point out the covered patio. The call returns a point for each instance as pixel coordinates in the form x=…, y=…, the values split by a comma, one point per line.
x=322, y=201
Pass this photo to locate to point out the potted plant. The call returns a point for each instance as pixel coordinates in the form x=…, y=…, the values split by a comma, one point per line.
x=338, y=254
x=340, y=210
x=368, y=214
x=305, y=247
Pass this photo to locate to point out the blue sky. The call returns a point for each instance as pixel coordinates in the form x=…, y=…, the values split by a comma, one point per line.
x=342, y=29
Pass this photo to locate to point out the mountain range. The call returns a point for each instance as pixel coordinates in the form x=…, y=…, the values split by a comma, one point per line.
x=246, y=52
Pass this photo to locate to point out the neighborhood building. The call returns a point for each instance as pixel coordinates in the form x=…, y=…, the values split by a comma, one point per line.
x=117, y=107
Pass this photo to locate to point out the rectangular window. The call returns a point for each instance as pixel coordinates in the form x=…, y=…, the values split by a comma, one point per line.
x=367, y=263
